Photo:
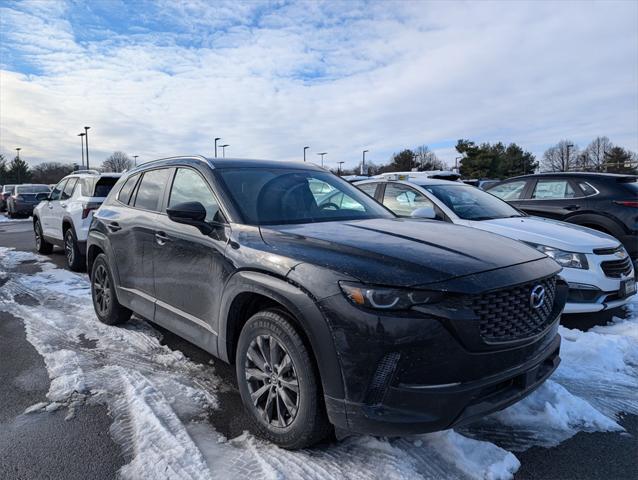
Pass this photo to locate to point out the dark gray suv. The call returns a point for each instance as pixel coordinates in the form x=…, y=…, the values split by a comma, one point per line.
x=334, y=311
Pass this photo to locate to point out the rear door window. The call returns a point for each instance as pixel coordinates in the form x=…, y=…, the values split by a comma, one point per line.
x=404, y=200
x=369, y=188
x=553, y=189
x=68, y=189
x=151, y=188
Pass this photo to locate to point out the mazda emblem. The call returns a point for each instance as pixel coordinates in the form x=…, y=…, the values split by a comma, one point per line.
x=537, y=297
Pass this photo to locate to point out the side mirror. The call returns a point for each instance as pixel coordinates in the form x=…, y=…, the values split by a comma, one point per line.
x=190, y=213
x=424, y=212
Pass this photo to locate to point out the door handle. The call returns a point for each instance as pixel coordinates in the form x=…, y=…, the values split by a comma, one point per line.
x=113, y=227
x=571, y=208
x=161, y=238
x=63, y=205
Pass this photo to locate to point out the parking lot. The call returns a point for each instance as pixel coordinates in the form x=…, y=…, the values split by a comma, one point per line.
x=140, y=401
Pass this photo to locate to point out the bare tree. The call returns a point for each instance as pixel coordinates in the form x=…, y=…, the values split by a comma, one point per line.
x=50, y=172
x=562, y=157
x=117, y=162
x=426, y=159
x=596, y=152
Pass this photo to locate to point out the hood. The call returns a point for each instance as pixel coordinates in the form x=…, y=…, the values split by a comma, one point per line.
x=399, y=252
x=552, y=233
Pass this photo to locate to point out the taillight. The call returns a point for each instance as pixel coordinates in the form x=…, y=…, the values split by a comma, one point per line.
x=627, y=203
x=89, y=207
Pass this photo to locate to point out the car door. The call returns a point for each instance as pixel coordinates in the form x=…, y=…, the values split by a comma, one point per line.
x=190, y=267
x=402, y=199
x=554, y=197
x=59, y=209
x=48, y=209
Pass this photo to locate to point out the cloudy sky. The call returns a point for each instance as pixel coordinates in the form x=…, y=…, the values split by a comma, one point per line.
x=162, y=78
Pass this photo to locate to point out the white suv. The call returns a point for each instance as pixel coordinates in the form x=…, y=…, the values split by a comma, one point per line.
x=64, y=218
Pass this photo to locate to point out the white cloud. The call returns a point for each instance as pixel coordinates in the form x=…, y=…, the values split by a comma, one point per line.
x=338, y=76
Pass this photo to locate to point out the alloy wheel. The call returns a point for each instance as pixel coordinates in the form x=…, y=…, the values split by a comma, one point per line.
x=69, y=249
x=38, y=236
x=101, y=290
x=272, y=381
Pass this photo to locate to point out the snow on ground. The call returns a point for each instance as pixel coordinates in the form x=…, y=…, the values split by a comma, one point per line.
x=160, y=401
x=4, y=218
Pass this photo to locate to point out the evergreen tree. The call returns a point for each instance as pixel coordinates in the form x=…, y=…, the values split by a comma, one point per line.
x=494, y=161
x=3, y=171
x=619, y=160
x=18, y=171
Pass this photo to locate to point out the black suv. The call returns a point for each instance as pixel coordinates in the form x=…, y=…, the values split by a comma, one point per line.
x=602, y=201
x=335, y=312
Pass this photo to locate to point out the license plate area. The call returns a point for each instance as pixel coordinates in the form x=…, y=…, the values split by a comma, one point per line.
x=627, y=288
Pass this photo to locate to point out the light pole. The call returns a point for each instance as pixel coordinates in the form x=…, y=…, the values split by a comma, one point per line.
x=362, y=170
x=339, y=171
x=18, y=150
x=322, y=154
x=568, y=146
x=81, y=135
x=18, y=155
x=216, y=140
x=304, y=153
x=135, y=159
x=456, y=163
x=86, y=133
x=224, y=150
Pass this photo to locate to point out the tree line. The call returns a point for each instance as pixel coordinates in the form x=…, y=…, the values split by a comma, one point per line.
x=18, y=171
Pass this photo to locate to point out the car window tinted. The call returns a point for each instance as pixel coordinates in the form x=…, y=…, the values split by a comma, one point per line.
x=270, y=196
x=509, y=190
x=587, y=188
x=552, y=189
x=404, y=200
x=189, y=186
x=98, y=187
x=150, y=190
x=30, y=189
x=369, y=188
x=124, y=195
x=68, y=189
x=57, y=191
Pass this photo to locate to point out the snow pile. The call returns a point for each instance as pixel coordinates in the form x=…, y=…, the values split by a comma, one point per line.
x=161, y=402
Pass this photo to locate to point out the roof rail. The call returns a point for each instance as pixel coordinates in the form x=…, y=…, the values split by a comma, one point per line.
x=95, y=172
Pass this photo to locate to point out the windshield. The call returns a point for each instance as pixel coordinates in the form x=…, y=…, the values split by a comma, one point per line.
x=275, y=196
x=32, y=189
x=470, y=203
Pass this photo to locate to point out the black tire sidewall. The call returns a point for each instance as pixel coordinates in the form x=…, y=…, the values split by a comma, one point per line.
x=303, y=428
x=78, y=259
x=117, y=313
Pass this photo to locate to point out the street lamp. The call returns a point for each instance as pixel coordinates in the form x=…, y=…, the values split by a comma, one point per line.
x=322, y=154
x=18, y=150
x=304, y=153
x=339, y=171
x=135, y=159
x=456, y=163
x=568, y=146
x=86, y=132
x=18, y=155
x=216, y=140
x=224, y=150
x=81, y=135
x=362, y=170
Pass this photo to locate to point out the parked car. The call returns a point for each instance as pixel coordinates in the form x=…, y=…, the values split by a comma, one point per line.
x=332, y=316
x=24, y=198
x=595, y=265
x=481, y=183
x=5, y=193
x=602, y=201
x=63, y=218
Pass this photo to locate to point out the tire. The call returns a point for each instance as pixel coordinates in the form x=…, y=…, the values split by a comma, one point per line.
x=41, y=245
x=107, y=307
x=10, y=213
x=74, y=259
x=304, y=422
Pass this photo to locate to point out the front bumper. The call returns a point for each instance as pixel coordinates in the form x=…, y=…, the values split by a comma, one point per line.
x=428, y=369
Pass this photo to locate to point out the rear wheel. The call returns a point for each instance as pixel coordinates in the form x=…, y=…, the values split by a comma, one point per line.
x=278, y=383
x=74, y=259
x=107, y=308
x=10, y=212
x=41, y=245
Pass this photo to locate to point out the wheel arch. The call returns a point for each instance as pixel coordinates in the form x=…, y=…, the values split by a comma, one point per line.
x=599, y=222
x=248, y=292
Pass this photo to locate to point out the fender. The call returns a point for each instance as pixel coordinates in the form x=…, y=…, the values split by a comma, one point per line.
x=96, y=238
x=607, y=222
x=302, y=306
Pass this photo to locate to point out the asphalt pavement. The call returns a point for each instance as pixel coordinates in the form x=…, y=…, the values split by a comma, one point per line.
x=47, y=445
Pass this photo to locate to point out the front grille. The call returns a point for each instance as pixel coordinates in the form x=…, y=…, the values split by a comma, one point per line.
x=508, y=315
x=607, y=251
x=617, y=268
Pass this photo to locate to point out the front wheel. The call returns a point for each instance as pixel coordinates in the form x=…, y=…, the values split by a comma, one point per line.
x=107, y=308
x=278, y=382
x=41, y=245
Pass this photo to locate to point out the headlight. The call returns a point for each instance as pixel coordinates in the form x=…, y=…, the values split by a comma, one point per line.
x=563, y=258
x=382, y=298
